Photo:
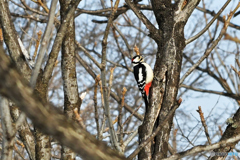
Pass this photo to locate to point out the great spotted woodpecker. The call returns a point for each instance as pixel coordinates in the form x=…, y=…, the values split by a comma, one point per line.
x=144, y=75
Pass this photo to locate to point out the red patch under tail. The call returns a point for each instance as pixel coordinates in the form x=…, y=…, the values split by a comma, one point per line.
x=147, y=87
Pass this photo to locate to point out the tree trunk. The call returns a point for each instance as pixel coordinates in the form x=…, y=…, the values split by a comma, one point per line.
x=70, y=87
x=171, y=19
x=9, y=131
x=233, y=129
x=16, y=55
x=43, y=144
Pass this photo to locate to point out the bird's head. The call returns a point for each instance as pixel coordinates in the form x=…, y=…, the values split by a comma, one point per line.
x=137, y=59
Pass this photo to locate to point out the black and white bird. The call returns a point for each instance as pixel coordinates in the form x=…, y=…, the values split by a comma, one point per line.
x=144, y=75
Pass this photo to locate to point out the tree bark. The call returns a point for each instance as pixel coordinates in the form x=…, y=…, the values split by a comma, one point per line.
x=9, y=131
x=233, y=129
x=16, y=55
x=11, y=40
x=48, y=119
x=171, y=19
x=25, y=133
x=70, y=87
x=43, y=143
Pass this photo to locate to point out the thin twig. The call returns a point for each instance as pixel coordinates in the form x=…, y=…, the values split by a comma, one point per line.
x=204, y=124
x=124, y=39
x=31, y=9
x=1, y=35
x=37, y=44
x=220, y=130
x=113, y=122
x=220, y=18
x=206, y=20
x=129, y=139
x=136, y=49
x=238, y=63
x=97, y=79
x=110, y=80
x=227, y=94
x=208, y=25
x=235, y=70
x=174, y=141
x=113, y=135
x=112, y=94
x=202, y=148
x=120, y=119
x=44, y=44
x=88, y=54
x=160, y=126
x=78, y=118
x=102, y=127
x=152, y=29
x=214, y=44
x=120, y=49
x=129, y=118
x=101, y=91
x=39, y=2
x=47, y=74
x=231, y=38
x=18, y=152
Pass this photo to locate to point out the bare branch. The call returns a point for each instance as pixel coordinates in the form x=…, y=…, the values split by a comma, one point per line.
x=204, y=124
x=236, y=71
x=11, y=40
x=21, y=119
x=44, y=44
x=120, y=119
x=31, y=9
x=214, y=44
x=88, y=54
x=160, y=126
x=229, y=37
x=97, y=79
x=113, y=135
x=57, y=44
x=209, y=24
x=112, y=94
x=202, y=148
x=39, y=2
x=152, y=29
x=212, y=13
x=227, y=94
x=39, y=34
x=48, y=119
x=8, y=130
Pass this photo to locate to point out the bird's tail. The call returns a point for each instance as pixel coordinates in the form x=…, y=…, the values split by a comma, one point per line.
x=145, y=97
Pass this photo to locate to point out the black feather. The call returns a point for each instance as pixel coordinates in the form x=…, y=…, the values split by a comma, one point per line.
x=141, y=84
x=145, y=100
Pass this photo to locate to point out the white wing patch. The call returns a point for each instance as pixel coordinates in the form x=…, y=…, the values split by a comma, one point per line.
x=140, y=75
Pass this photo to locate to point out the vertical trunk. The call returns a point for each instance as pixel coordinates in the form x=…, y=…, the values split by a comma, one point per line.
x=25, y=133
x=43, y=144
x=170, y=51
x=10, y=38
x=165, y=85
x=233, y=129
x=171, y=19
x=71, y=96
x=9, y=130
